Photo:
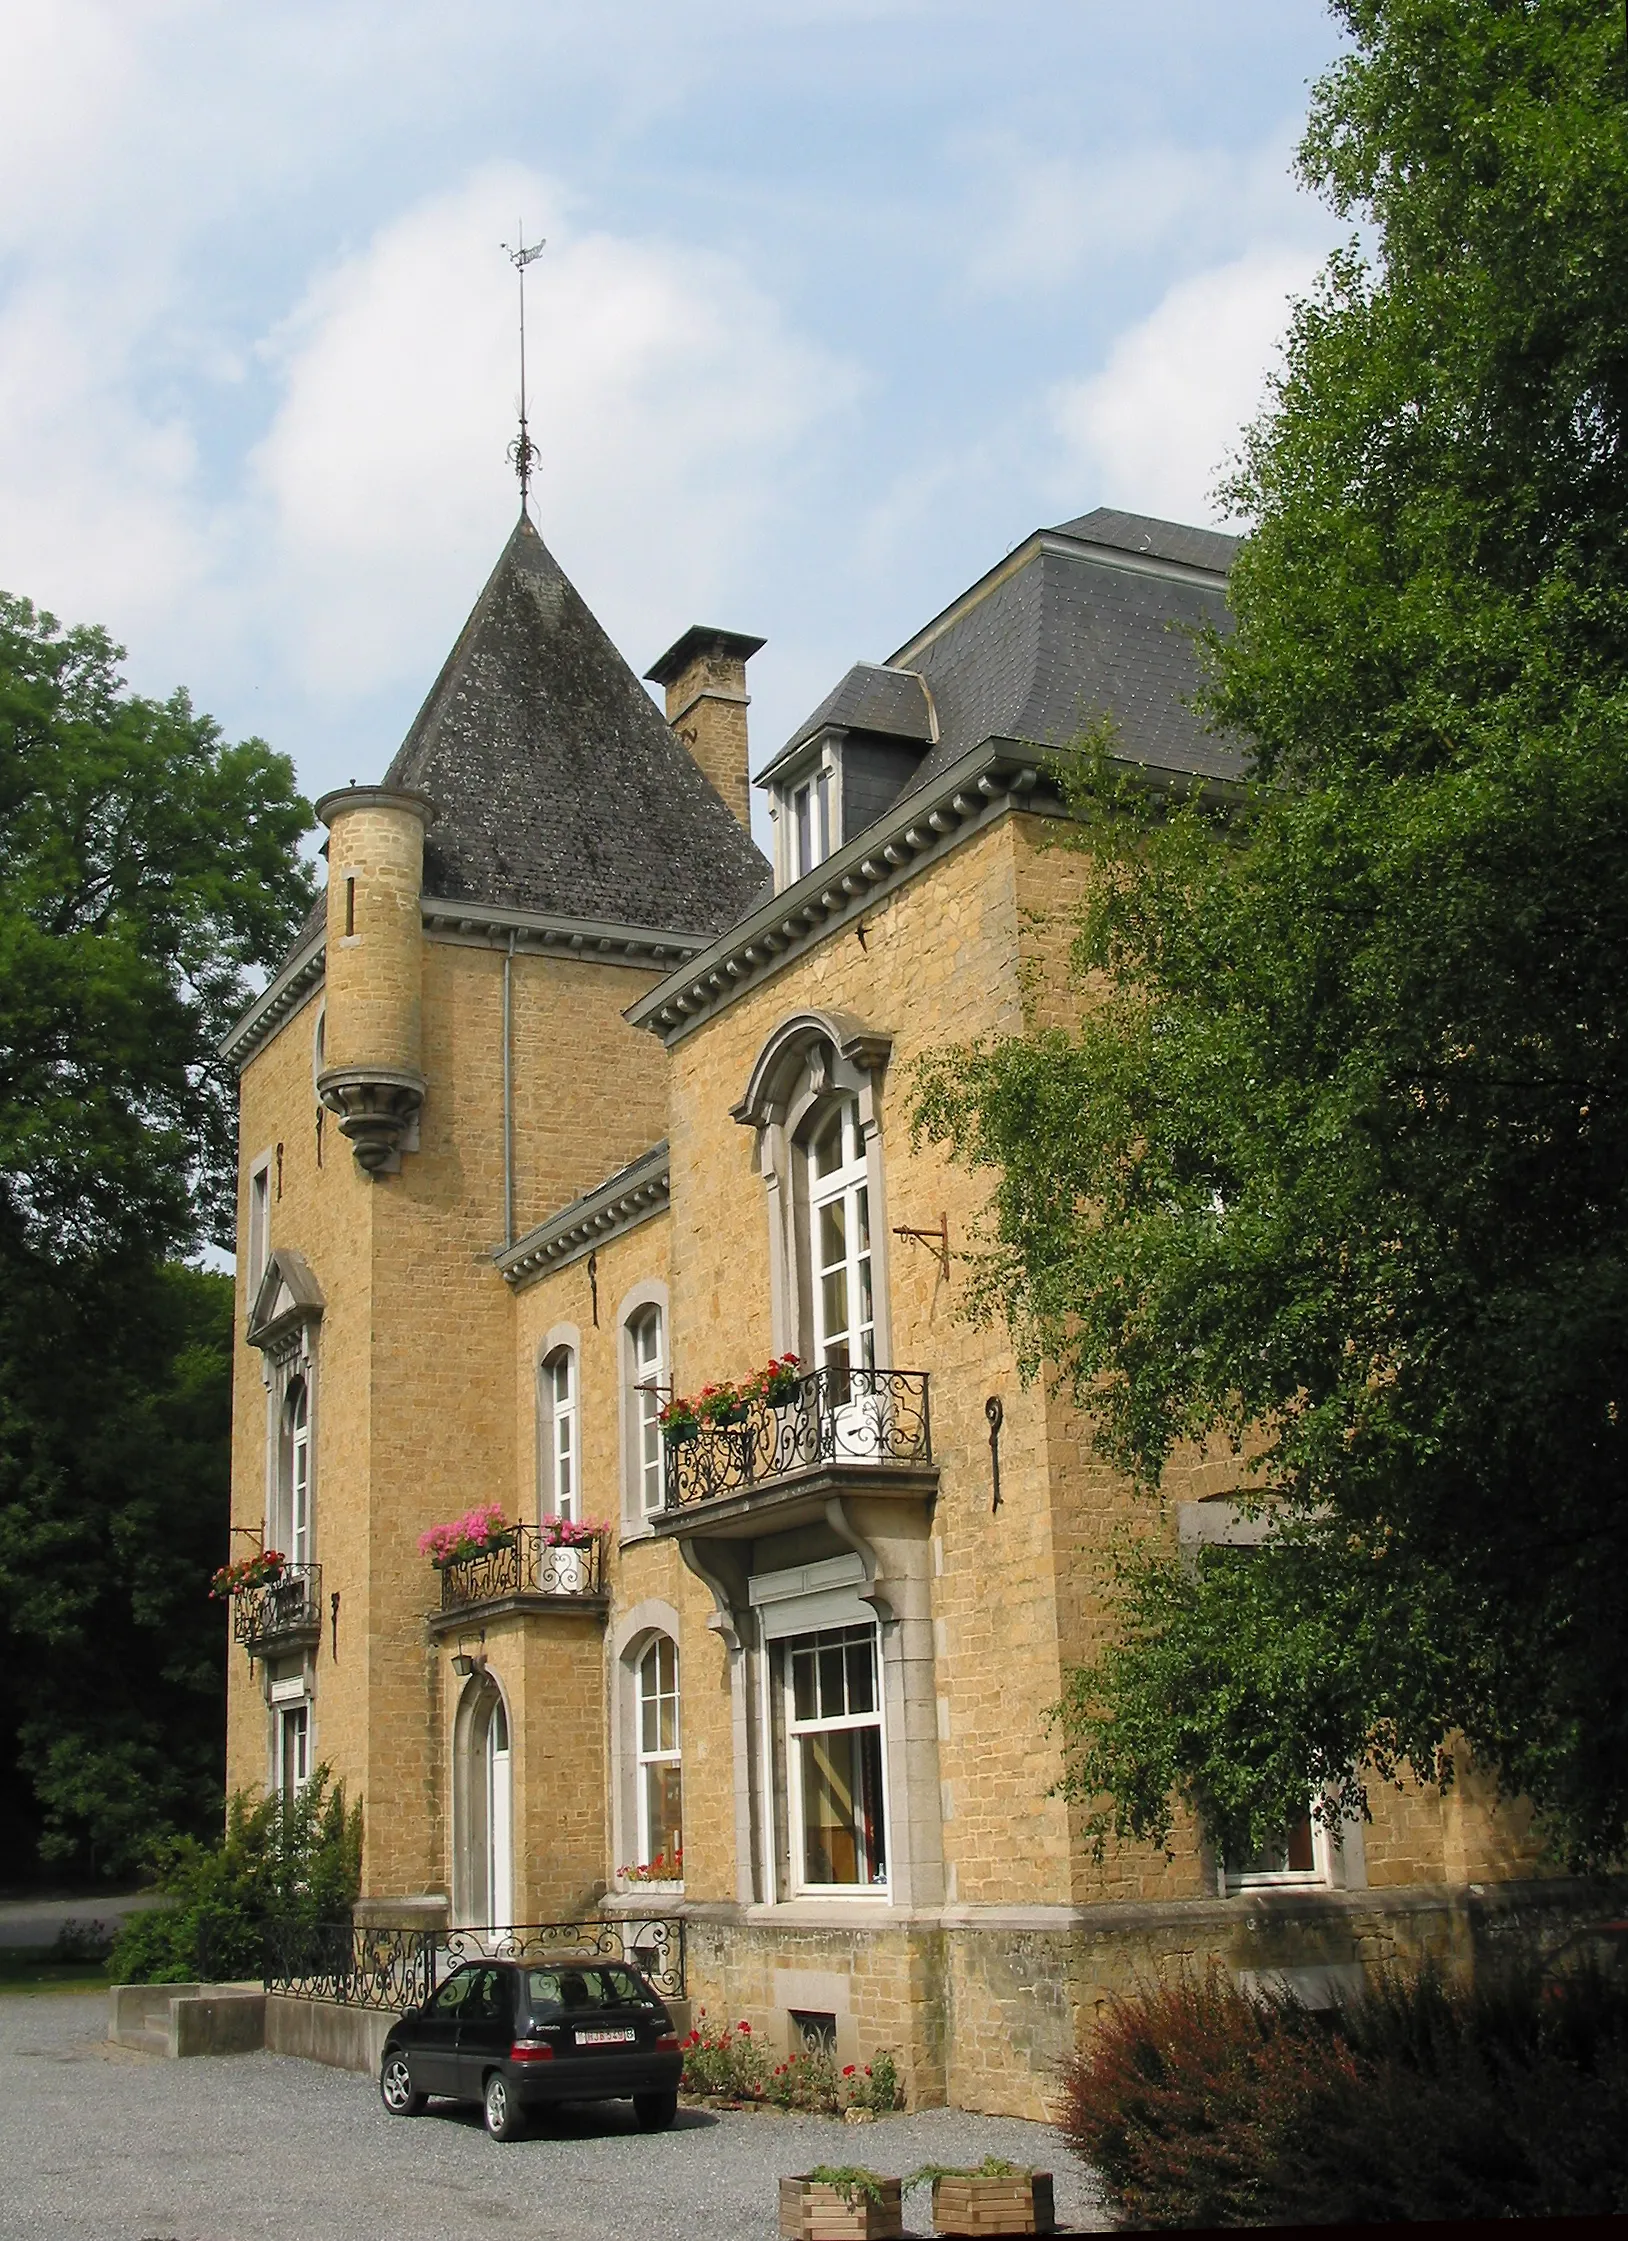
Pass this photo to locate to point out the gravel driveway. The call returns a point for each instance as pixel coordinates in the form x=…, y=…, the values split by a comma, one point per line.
x=99, y=2144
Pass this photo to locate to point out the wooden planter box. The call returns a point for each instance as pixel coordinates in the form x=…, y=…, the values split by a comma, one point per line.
x=812, y=2211
x=1020, y=2204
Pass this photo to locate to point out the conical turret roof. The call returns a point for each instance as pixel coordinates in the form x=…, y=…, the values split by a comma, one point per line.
x=558, y=785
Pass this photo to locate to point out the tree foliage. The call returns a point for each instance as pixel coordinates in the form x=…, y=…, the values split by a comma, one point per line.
x=147, y=873
x=290, y=1859
x=1337, y=1164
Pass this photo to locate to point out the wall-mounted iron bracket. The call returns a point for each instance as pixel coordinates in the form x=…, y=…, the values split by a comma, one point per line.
x=938, y=1239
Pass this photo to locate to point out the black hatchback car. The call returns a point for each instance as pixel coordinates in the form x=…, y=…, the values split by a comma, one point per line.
x=514, y=2035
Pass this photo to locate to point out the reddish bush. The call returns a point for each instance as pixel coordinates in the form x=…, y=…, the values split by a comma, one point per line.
x=1200, y=2106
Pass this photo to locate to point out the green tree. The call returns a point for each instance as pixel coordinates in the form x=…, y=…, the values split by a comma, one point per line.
x=291, y=1861
x=1337, y=1163
x=148, y=873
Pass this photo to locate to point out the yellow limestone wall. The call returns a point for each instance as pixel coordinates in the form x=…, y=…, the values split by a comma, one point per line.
x=940, y=959
x=417, y=1345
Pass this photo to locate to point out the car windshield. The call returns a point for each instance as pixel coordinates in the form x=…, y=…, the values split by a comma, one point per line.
x=575, y=1991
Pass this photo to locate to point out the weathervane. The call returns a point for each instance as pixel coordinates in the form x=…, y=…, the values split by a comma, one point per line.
x=522, y=453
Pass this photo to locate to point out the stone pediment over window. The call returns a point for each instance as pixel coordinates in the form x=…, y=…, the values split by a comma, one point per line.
x=799, y=1054
x=287, y=1302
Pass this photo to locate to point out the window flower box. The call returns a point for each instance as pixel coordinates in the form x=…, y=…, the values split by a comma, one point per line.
x=568, y=1566
x=263, y=1569
x=721, y=1408
x=778, y=1383
x=666, y=1869
x=974, y=2202
x=479, y=1531
x=678, y=1421
x=856, y=2206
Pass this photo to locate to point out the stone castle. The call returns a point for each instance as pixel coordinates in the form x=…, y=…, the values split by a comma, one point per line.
x=567, y=1106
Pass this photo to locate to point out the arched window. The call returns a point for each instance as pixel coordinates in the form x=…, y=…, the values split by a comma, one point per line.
x=839, y=1237
x=660, y=1770
x=559, y=1441
x=647, y=1378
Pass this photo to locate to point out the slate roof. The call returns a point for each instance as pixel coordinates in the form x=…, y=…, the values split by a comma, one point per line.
x=872, y=697
x=1038, y=649
x=559, y=786
x=1164, y=540
x=1061, y=631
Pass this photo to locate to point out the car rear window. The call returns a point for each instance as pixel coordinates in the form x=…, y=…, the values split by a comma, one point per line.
x=575, y=1991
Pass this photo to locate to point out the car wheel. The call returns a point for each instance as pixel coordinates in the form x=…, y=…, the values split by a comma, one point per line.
x=396, y=2087
x=655, y=2111
x=504, y=2118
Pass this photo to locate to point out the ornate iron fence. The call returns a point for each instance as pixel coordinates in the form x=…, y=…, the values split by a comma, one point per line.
x=395, y=1970
x=834, y=1416
x=286, y=1608
x=523, y=1563
x=390, y=1969
x=654, y=1943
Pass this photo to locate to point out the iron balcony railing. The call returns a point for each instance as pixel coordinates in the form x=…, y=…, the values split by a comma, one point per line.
x=863, y=1416
x=288, y=1608
x=395, y=1970
x=523, y=1563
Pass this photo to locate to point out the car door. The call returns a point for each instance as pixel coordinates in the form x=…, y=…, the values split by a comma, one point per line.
x=433, y=2049
x=485, y=2028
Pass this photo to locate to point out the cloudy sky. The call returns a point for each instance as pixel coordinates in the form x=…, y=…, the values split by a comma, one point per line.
x=841, y=299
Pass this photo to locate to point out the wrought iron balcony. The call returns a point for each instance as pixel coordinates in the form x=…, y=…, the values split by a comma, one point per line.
x=284, y=1613
x=521, y=1566
x=835, y=1419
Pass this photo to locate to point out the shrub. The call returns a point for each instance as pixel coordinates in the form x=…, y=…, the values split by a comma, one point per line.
x=295, y=1859
x=730, y=2065
x=727, y=2062
x=1199, y=2105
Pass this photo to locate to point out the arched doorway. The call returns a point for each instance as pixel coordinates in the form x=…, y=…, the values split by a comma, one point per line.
x=483, y=1806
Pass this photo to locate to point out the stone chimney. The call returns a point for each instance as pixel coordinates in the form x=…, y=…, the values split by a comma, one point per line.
x=704, y=676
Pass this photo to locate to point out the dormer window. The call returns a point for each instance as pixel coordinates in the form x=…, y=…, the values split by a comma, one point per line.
x=805, y=808
x=811, y=821
x=846, y=766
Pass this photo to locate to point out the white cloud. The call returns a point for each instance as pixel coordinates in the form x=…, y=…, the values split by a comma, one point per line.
x=1050, y=218
x=1154, y=428
x=666, y=390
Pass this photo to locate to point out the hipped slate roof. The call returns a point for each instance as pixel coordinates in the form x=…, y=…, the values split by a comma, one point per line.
x=1075, y=631
x=557, y=784
x=1095, y=616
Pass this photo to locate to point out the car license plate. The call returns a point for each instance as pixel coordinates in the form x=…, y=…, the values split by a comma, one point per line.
x=606, y=2038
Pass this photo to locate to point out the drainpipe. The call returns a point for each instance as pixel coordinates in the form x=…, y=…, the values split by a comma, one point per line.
x=508, y=1093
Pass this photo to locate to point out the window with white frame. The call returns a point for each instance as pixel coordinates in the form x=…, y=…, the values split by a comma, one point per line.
x=293, y=1748
x=835, y=1761
x=660, y=1765
x=299, y=1473
x=647, y=1377
x=839, y=1219
x=557, y=1407
x=807, y=819
x=290, y=1526
x=1299, y=1854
